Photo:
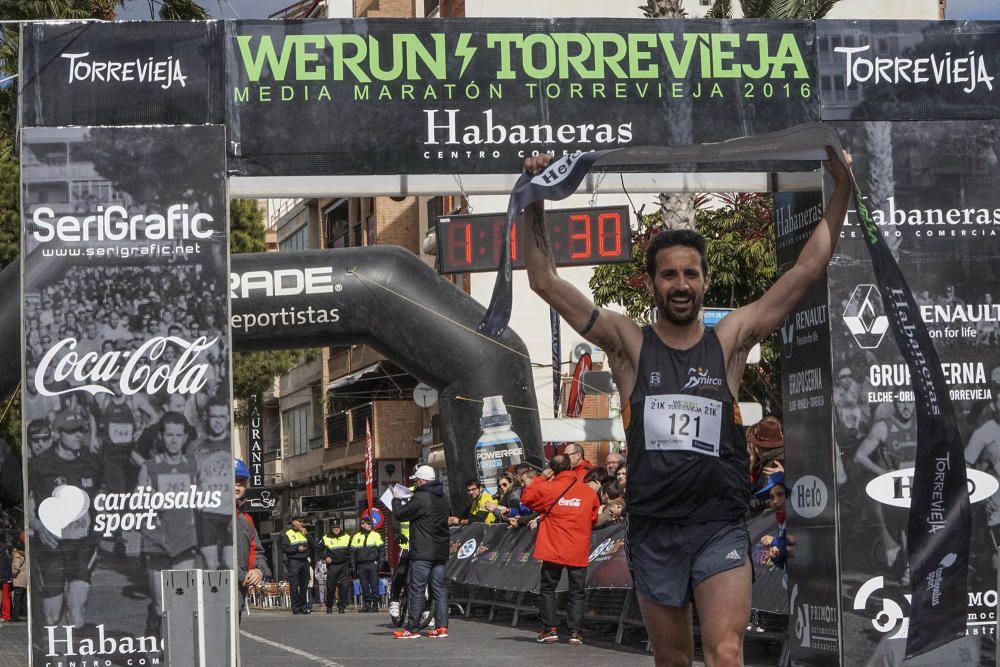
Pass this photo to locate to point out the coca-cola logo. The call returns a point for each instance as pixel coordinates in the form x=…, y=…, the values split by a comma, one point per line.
x=124, y=373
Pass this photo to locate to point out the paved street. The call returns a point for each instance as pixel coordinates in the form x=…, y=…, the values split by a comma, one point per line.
x=278, y=638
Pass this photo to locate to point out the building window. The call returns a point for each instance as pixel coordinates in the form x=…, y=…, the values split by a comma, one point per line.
x=297, y=240
x=295, y=423
x=338, y=230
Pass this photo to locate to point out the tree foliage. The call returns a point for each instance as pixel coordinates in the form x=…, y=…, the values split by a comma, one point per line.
x=253, y=372
x=773, y=9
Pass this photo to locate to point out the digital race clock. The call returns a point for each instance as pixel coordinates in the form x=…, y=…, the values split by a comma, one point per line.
x=578, y=236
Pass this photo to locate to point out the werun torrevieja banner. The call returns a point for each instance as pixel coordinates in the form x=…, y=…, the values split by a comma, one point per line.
x=126, y=381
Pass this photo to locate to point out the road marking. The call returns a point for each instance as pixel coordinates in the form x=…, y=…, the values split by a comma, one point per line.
x=291, y=649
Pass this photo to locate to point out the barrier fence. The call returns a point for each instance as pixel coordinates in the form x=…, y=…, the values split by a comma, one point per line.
x=491, y=567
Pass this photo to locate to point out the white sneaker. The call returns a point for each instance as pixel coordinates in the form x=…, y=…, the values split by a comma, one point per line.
x=394, y=609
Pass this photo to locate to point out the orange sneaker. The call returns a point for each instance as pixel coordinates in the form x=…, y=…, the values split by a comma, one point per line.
x=405, y=634
x=438, y=633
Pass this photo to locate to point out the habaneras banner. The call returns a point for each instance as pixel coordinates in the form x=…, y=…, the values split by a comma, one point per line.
x=126, y=380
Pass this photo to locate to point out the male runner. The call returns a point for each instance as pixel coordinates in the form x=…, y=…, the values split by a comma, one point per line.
x=688, y=492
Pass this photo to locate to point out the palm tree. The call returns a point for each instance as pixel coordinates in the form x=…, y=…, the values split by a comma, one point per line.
x=773, y=9
x=676, y=208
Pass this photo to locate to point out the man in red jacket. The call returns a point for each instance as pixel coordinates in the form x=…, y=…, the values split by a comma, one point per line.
x=568, y=509
x=577, y=462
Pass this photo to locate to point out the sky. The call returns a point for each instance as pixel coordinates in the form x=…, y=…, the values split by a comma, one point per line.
x=973, y=9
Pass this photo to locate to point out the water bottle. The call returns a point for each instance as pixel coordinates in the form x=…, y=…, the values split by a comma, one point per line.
x=498, y=447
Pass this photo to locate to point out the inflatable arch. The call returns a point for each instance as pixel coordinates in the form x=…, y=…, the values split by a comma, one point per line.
x=382, y=296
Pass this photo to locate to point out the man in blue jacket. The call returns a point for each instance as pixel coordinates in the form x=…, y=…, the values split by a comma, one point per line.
x=250, y=561
x=427, y=510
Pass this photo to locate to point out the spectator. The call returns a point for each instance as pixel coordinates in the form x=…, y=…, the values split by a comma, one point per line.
x=773, y=549
x=479, y=499
x=337, y=555
x=614, y=462
x=578, y=463
x=595, y=479
x=19, y=568
x=427, y=512
x=508, y=501
x=613, y=509
x=297, y=545
x=526, y=471
x=568, y=510
x=250, y=558
x=367, y=556
x=766, y=443
x=39, y=437
x=621, y=477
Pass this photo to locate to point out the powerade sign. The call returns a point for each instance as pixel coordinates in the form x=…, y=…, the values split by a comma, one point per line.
x=471, y=95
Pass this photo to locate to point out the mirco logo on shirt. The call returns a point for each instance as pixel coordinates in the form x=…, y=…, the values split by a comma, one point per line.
x=699, y=377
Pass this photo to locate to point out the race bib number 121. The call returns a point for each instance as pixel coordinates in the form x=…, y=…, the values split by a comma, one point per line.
x=678, y=422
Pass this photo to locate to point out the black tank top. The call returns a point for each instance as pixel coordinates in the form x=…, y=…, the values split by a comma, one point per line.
x=690, y=463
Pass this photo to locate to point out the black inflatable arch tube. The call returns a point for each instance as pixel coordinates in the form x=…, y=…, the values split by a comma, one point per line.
x=382, y=296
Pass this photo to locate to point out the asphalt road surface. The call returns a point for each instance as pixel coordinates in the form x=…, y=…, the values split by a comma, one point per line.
x=271, y=638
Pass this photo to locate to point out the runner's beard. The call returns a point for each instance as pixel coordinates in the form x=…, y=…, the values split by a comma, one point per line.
x=666, y=311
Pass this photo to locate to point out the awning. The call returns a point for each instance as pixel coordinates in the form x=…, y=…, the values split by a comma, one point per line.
x=381, y=381
x=351, y=378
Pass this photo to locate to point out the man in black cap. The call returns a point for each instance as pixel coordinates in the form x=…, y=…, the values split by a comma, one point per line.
x=297, y=546
x=367, y=555
x=337, y=555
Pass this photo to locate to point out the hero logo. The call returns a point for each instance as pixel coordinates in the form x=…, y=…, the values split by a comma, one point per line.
x=865, y=317
x=283, y=282
x=467, y=549
x=893, y=488
x=809, y=496
x=699, y=377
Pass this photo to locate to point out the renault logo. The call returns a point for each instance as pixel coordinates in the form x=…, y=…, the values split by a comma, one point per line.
x=865, y=317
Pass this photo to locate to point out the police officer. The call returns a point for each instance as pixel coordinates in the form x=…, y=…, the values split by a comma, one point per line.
x=399, y=577
x=367, y=554
x=297, y=545
x=337, y=555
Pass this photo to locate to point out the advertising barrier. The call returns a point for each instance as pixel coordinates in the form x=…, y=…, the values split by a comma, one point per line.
x=134, y=387
x=500, y=558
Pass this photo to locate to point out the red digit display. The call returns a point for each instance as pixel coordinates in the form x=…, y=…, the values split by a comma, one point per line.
x=468, y=243
x=579, y=238
x=609, y=229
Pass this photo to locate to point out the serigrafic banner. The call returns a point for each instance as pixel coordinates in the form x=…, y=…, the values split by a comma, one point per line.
x=467, y=96
x=810, y=474
x=909, y=70
x=933, y=201
x=126, y=383
x=129, y=73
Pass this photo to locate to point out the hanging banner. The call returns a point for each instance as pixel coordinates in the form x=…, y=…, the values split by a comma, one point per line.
x=937, y=216
x=127, y=73
x=475, y=95
x=124, y=254
x=369, y=472
x=811, y=585
x=909, y=70
x=256, y=443
x=556, y=360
